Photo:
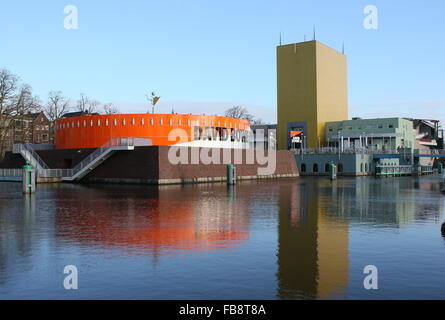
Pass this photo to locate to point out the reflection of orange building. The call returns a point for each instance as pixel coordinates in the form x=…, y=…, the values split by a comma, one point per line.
x=161, y=222
x=93, y=131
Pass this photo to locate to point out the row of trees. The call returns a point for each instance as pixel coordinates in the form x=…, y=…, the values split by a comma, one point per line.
x=17, y=101
x=17, y=98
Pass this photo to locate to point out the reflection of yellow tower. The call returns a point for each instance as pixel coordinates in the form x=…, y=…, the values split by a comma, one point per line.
x=313, y=260
x=332, y=249
x=312, y=90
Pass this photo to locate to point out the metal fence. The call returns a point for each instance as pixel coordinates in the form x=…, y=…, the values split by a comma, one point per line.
x=11, y=172
x=332, y=150
x=381, y=170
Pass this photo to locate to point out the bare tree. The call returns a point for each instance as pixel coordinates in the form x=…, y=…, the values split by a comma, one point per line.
x=56, y=106
x=86, y=104
x=239, y=112
x=110, y=108
x=16, y=103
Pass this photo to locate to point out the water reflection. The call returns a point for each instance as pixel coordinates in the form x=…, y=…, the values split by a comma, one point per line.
x=315, y=216
x=17, y=233
x=312, y=253
x=299, y=236
x=151, y=220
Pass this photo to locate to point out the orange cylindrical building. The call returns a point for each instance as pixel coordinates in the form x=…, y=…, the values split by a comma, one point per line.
x=93, y=131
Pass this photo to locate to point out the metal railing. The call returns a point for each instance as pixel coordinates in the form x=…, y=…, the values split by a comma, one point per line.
x=401, y=169
x=11, y=172
x=109, y=146
x=333, y=150
x=429, y=152
x=115, y=142
x=43, y=171
x=30, y=155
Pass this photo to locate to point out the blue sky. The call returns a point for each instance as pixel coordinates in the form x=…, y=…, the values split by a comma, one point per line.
x=204, y=56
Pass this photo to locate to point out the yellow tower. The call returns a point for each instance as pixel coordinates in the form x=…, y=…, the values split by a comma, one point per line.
x=312, y=90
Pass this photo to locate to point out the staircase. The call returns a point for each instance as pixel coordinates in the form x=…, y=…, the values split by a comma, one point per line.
x=30, y=156
x=85, y=166
x=96, y=158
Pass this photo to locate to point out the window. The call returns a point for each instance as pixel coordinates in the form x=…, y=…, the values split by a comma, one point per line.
x=391, y=126
x=326, y=167
x=188, y=123
x=91, y=123
x=160, y=121
x=303, y=167
x=106, y=122
x=44, y=137
x=98, y=123
x=171, y=121
x=78, y=124
x=366, y=167
x=84, y=123
x=361, y=167
x=315, y=167
x=349, y=127
x=380, y=126
x=124, y=122
x=330, y=129
x=179, y=122
x=142, y=121
x=151, y=121
x=133, y=121
x=115, y=122
x=340, y=167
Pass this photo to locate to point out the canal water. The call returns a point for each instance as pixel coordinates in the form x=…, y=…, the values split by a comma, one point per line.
x=304, y=238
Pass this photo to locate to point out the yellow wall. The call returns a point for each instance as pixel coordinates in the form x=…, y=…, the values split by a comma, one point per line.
x=311, y=88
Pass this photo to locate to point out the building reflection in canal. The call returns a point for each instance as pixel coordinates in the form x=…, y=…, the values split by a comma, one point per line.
x=315, y=216
x=312, y=252
x=152, y=220
x=313, y=219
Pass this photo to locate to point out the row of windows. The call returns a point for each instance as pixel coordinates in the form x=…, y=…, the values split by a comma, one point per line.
x=115, y=122
x=42, y=127
x=315, y=168
x=43, y=137
x=362, y=127
x=364, y=167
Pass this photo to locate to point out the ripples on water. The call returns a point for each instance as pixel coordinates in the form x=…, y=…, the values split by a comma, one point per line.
x=307, y=238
